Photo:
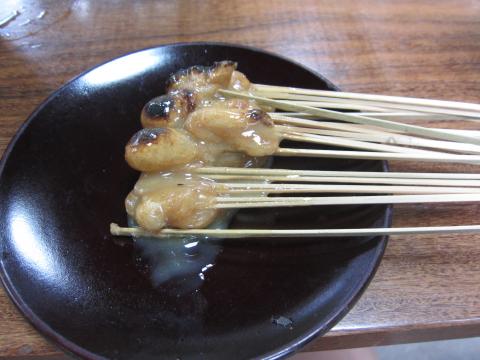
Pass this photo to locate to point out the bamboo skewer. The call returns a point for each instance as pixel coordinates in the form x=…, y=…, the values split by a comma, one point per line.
x=351, y=104
x=211, y=234
x=307, y=123
x=355, y=180
x=288, y=201
x=385, y=138
x=310, y=135
x=294, y=114
x=368, y=139
x=352, y=143
x=236, y=188
x=348, y=174
x=330, y=104
x=280, y=118
x=405, y=115
x=350, y=200
x=370, y=97
x=350, y=117
x=289, y=126
x=473, y=133
x=370, y=155
x=364, y=142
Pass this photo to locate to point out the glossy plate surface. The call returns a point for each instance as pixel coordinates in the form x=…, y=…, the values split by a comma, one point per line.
x=63, y=180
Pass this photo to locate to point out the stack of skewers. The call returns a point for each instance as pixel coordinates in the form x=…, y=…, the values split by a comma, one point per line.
x=369, y=127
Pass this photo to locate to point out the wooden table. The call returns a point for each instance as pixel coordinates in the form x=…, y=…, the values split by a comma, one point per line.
x=427, y=287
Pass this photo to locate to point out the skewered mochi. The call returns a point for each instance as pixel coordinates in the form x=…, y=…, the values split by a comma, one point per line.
x=193, y=126
x=174, y=199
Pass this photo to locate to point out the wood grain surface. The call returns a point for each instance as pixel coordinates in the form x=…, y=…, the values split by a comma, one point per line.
x=427, y=287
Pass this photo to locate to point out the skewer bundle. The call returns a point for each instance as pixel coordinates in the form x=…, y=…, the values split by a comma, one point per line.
x=242, y=188
x=379, y=139
x=375, y=127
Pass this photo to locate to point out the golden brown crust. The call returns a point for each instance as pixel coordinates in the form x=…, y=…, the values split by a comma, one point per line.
x=197, y=76
x=168, y=110
x=159, y=149
x=221, y=72
x=249, y=131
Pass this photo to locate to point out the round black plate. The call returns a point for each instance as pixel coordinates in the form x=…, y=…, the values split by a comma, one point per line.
x=63, y=180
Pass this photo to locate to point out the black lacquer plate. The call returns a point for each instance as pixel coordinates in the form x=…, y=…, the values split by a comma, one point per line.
x=63, y=180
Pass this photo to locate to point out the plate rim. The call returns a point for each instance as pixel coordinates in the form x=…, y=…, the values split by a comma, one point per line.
x=69, y=347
